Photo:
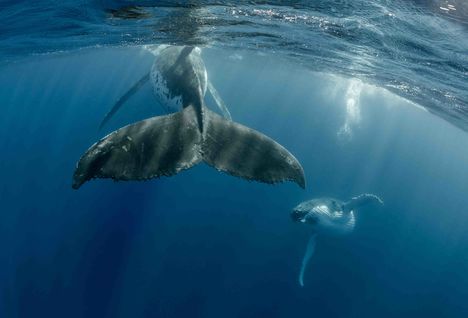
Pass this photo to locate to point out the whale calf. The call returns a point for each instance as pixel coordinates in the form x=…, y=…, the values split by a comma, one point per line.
x=165, y=145
x=328, y=216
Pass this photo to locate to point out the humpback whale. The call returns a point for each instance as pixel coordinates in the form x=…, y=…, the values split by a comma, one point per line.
x=328, y=216
x=165, y=145
x=169, y=106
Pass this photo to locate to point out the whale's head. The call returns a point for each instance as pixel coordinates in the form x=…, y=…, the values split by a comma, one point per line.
x=305, y=213
x=297, y=215
x=325, y=215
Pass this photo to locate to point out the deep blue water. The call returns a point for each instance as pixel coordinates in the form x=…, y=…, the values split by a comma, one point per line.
x=205, y=244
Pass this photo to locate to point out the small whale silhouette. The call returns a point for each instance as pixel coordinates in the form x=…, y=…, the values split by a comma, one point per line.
x=328, y=216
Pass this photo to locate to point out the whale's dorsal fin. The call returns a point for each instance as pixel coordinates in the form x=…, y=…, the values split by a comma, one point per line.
x=118, y=105
x=361, y=200
x=310, y=250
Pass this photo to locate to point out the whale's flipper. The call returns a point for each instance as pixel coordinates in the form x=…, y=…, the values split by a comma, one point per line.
x=310, y=249
x=142, y=81
x=158, y=146
x=361, y=200
x=246, y=153
x=165, y=145
x=219, y=101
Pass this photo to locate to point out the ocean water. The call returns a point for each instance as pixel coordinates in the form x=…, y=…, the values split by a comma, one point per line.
x=370, y=96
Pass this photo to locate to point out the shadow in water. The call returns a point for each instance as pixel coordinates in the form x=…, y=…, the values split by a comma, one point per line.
x=80, y=277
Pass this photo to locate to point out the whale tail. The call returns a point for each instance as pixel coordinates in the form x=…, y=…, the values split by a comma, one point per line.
x=243, y=152
x=165, y=145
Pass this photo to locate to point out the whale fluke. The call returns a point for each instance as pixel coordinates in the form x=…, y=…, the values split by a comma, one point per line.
x=158, y=146
x=166, y=145
x=244, y=152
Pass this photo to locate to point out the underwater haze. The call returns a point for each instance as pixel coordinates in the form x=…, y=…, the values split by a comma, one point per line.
x=370, y=97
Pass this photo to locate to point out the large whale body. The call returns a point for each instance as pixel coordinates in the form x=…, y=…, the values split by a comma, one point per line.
x=160, y=89
x=166, y=145
x=328, y=216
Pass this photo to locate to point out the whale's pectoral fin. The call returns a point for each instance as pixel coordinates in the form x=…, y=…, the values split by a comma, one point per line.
x=219, y=101
x=246, y=153
x=158, y=146
x=310, y=249
x=118, y=105
x=362, y=200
